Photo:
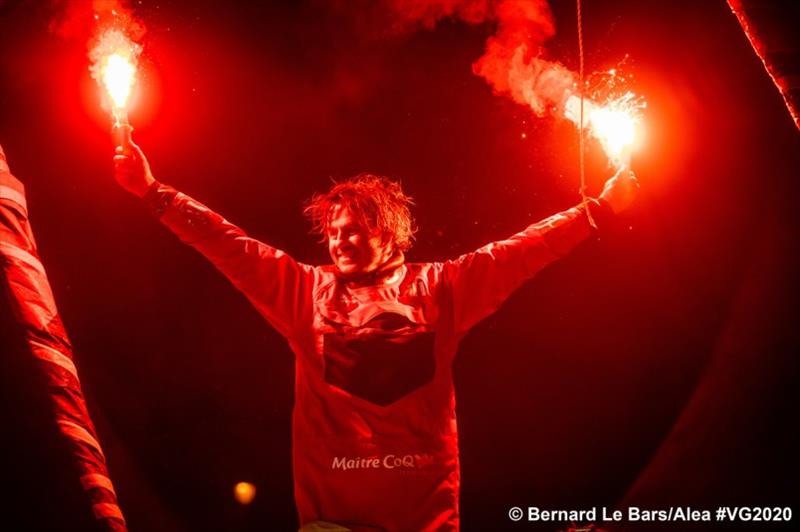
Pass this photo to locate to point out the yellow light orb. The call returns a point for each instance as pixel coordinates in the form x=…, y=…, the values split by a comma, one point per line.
x=244, y=492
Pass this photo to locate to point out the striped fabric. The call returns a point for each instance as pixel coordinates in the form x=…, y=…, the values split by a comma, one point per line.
x=771, y=28
x=32, y=302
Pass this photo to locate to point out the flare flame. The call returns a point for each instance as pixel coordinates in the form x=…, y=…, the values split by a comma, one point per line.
x=114, y=64
x=616, y=124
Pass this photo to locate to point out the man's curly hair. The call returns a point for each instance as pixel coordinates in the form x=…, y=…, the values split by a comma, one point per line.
x=378, y=203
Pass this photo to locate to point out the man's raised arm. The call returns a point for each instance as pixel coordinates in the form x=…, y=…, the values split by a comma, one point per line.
x=277, y=285
x=480, y=281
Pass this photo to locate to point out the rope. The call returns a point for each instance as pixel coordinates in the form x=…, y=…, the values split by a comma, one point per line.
x=581, y=134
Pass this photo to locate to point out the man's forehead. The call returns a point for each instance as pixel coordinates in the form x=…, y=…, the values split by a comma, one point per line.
x=339, y=215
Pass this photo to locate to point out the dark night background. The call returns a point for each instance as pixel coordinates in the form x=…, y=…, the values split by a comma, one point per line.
x=655, y=367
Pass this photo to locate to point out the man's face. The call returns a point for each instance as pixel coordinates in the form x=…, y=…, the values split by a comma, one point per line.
x=353, y=249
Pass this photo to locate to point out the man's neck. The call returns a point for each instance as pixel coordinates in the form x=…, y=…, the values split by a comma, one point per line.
x=384, y=273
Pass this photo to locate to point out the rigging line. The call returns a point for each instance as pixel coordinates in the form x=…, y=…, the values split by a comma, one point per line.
x=581, y=132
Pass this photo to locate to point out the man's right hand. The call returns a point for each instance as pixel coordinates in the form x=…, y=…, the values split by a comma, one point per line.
x=131, y=169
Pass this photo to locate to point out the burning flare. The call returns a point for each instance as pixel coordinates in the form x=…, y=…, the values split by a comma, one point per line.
x=615, y=124
x=114, y=59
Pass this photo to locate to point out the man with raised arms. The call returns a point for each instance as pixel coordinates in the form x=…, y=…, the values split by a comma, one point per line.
x=374, y=426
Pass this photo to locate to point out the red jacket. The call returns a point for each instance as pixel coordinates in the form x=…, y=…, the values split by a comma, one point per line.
x=374, y=424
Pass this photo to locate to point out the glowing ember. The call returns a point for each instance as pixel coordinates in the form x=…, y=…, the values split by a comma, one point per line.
x=614, y=124
x=114, y=60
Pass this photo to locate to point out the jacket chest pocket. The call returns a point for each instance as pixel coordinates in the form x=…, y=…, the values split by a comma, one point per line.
x=380, y=365
x=380, y=351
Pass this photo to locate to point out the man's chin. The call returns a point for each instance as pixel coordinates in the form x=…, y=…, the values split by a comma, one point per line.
x=348, y=269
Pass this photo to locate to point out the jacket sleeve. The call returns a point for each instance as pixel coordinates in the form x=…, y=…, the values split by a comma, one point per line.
x=277, y=285
x=480, y=281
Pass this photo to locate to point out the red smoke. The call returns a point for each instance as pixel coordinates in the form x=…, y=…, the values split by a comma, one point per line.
x=87, y=20
x=513, y=63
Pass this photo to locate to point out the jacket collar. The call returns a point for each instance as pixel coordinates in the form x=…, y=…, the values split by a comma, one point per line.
x=377, y=276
